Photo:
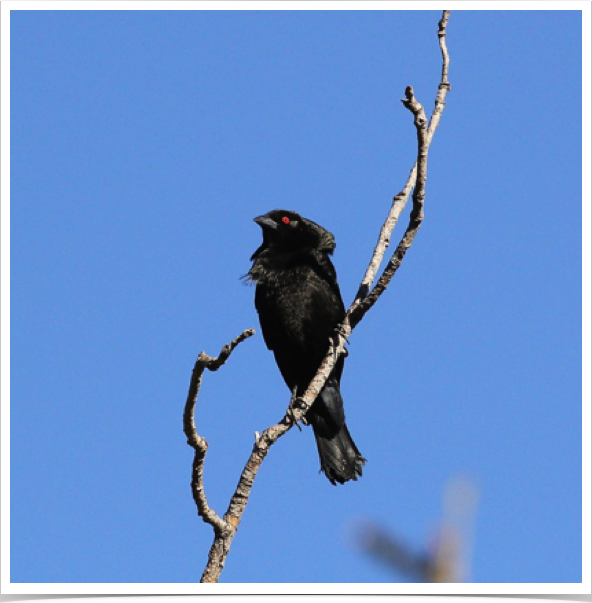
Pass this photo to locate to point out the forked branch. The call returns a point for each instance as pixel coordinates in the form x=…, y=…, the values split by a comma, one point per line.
x=198, y=443
x=225, y=528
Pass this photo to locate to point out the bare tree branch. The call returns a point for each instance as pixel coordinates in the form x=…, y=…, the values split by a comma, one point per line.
x=363, y=301
x=199, y=444
x=225, y=529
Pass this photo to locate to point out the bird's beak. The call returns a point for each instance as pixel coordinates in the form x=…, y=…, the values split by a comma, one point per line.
x=265, y=222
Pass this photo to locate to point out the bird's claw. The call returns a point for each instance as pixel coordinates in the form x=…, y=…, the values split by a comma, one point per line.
x=333, y=340
x=297, y=403
x=341, y=330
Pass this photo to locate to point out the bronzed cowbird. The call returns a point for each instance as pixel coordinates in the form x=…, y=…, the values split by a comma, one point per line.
x=299, y=305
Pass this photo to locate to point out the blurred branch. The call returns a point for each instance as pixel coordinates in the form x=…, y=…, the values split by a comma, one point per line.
x=391, y=551
x=447, y=560
x=224, y=529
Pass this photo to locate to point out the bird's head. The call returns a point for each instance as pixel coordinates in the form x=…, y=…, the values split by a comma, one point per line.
x=286, y=231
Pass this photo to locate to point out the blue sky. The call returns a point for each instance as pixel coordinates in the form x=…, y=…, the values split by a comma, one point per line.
x=142, y=145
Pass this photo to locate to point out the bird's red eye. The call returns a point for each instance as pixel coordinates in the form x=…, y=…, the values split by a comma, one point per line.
x=286, y=220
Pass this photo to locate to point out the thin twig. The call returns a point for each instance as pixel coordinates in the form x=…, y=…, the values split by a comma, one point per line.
x=360, y=306
x=199, y=444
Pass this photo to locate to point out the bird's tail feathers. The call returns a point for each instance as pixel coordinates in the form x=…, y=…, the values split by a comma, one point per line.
x=340, y=458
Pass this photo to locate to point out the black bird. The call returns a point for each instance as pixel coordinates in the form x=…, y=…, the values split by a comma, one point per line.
x=299, y=305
